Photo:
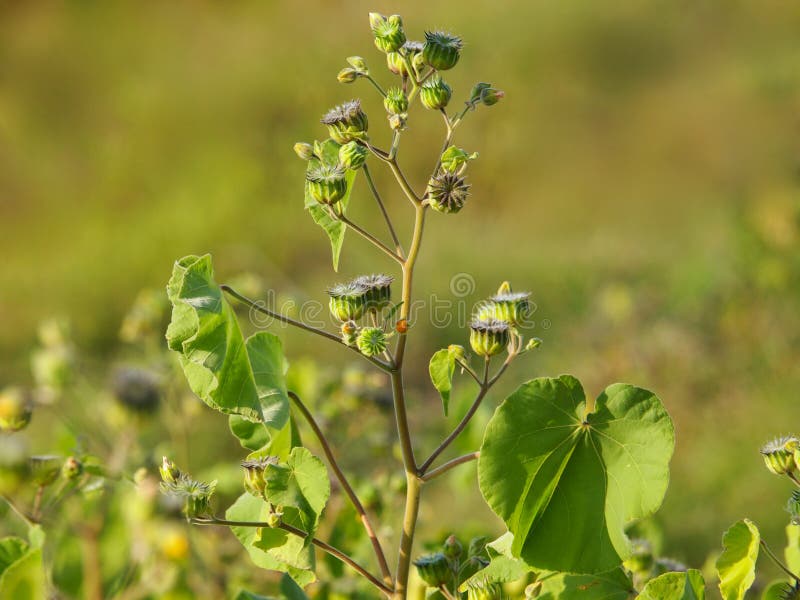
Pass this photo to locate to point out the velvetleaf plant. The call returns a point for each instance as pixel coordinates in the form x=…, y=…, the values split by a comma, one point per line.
x=565, y=474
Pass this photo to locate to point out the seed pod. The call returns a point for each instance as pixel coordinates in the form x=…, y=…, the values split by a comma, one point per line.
x=396, y=63
x=435, y=93
x=396, y=101
x=254, y=469
x=72, y=468
x=347, y=300
x=378, y=290
x=45, y=469
x=488, y=336
x=168, y=471
x=484, y=591
x=347, y=75
x=352, y=155
x=15, y=410
x=453, y=548
x=346, y=122
x=388, y=31
x=434, y=569
x=371, y=341
x=326, y=184
x=304, y=150
x=447, y=192
x=779, y=454
x=442, y=50
x=506, y=305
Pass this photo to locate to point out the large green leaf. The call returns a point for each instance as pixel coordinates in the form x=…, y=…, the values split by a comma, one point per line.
x=687, y=585
x=234, y=376
x=566, y=481
x=502, y=568
x=792, y=551
x=736, y=565
x=11, y=550
x=293, y=557
x=613, y=585
x=334, y=228
x=22, y=574
x=441, y=369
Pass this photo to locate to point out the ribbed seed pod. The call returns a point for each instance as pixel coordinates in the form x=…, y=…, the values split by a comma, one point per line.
x=488, y=336
x=352, y=155
x=506, y=305
x=254, y=469
x=346, y=122
x=327, y=184
x=371, y=341
x=378, y=290
x=388, y=32
x=434, y=569
x=348, y=300
x=396, y=101
x=447, y=192
x=442, y=50
x=435, y=93
x=484, y=591
x=779, y=454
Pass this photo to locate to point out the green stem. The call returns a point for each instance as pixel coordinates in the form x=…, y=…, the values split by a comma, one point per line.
x=375, y=83
x=778, y=562
x=303, y=534
x=367, y=236
x=407, y=537
x=397, y=245
x=25, y=518
x=348, y=489
x=434, y=473
x=289, y=321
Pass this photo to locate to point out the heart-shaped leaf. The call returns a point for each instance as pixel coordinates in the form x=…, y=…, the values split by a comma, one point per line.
x=613, y=585
x=687, y=585
x=566, y=480
x=736, y=566
x=245, y=378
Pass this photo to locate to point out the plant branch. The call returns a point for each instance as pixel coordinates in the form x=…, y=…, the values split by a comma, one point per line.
x=794, y=478
x=470, y=370
x=377, y=86
x=434, y=473
x=366, y=235
x=398, y=246
x=326, y=448
x=27, y=520
x=777, y=561
x=289, y=321
x=303, y=534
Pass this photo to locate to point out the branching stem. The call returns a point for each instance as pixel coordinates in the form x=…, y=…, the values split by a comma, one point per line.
x=778, y=561
x=366, y=235
x=460, y=460
x=397, y=245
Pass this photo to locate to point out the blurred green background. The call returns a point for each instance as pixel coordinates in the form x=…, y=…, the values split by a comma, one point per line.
x=641, y=178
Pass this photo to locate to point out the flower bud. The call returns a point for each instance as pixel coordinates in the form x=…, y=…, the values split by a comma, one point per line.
x=453, y=548
x=491, y=96
x=45, y=469
x=396, y=101
x=371, y=341
x=435, y=93
x=457, y=351
x=442, y=50
x=15, y=410
x=168, y=471
x=346, y=122
x=488, y=336
x=326, y=184
x=349, y=333
x=352, y=155
x=506, y=305
x=378, y=290
x=447, y=192
x=72, y=468
x=477, y=92
x=359, y=64
x=388, y=31
x=304, y=150
x=254, y=469
x=347, y=75
x=779, y=454
x=434, y=569
x=454, y=158
x=484, y=591
x=347, y=300
x=397, y=122
x=533, y=343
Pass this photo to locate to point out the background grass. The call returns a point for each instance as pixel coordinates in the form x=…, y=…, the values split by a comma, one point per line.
x=641, y=178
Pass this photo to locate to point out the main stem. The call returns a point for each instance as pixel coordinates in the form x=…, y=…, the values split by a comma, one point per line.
x=413, y=483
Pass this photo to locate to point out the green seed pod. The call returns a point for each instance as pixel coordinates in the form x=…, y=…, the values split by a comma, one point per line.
x=347, y=75
x=371, y=341
x=353, y=155
x=15, y=410
x=326, y=184
x=434, y=569
x=346, y=122
x=779, y=454
x=254, y=469
x=454, y=158
x=396, y=63
x=641, y=559
x=453, y=548
x=512, y=307
x=442, y=50
x=198, y=500
x=72, y=468
x=45, y=469
x=388, y=31
x=359, y=64
x=435, y=93
x=488, y=336
x=349, y=333
x=168, y=471
x=447, y=192
x=347, y=300
x=304, y=150
x=484, y=591
x=396, y=101
x=378, y=290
